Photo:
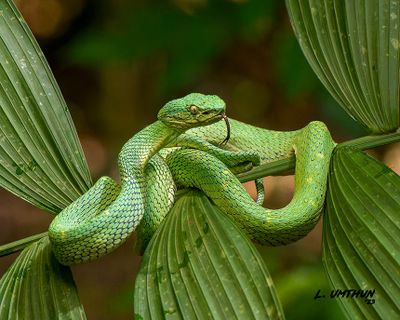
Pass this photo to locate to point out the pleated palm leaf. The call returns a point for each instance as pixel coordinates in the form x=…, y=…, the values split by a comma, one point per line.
x=207, y=268
x=41, y=161
x=353, y=47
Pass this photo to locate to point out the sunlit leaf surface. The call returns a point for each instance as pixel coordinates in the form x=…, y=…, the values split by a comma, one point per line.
x=353, y=46
x=200, y=265
x=41, y=159
x=361, y=248
x=36, y=286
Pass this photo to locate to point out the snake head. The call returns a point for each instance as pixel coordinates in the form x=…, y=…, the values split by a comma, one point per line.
x=193, y=110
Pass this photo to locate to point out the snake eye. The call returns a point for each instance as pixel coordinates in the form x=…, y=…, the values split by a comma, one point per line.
x=193, y=109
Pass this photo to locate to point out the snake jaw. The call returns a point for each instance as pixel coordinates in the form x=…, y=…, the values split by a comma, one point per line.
x=228, y=128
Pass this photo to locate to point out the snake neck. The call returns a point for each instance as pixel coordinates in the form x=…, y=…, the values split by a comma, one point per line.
x=142, y=146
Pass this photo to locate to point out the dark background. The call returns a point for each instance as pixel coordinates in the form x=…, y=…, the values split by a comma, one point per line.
x=117, y=62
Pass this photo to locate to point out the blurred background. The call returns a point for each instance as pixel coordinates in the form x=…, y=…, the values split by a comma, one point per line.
x=117, y=62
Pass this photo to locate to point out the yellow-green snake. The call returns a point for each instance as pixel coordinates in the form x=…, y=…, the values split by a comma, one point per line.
x=102, y=219
x=184, y=147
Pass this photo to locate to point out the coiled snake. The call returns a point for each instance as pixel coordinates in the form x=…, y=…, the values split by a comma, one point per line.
x=190, y=132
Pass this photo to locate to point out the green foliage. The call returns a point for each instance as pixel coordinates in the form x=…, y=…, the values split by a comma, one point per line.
x=353, y=47
x=199, y=262
x=200, y=265
x=36, y=286
x=185, y=42
x=41, y=159
x=295, y=75
x=361, y=228
x=331, y=110
x=297, y=289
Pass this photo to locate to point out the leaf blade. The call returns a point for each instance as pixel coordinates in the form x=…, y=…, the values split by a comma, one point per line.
x=354, y=48
x=41, y=159
x=210, y=264
x=361, y=225
x=36, y=286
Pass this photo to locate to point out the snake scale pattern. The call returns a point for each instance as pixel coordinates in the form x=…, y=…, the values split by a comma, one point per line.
x=183, y=147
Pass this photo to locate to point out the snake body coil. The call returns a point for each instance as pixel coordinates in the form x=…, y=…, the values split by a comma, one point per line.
x=101, y=219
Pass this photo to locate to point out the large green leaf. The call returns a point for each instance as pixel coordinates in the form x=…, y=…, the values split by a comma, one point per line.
x=36, y=286
x=361, y=248
x=200, y=265
x=354, y=48
x=41, y=159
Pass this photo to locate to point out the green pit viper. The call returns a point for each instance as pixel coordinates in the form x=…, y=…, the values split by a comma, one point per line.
x=184, y=147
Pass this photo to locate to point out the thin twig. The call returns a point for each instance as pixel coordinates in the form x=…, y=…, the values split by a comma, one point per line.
x=20, y=244
x=286, y=166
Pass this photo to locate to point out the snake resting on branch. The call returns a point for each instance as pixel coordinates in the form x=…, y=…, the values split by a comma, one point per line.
x=184, y=147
